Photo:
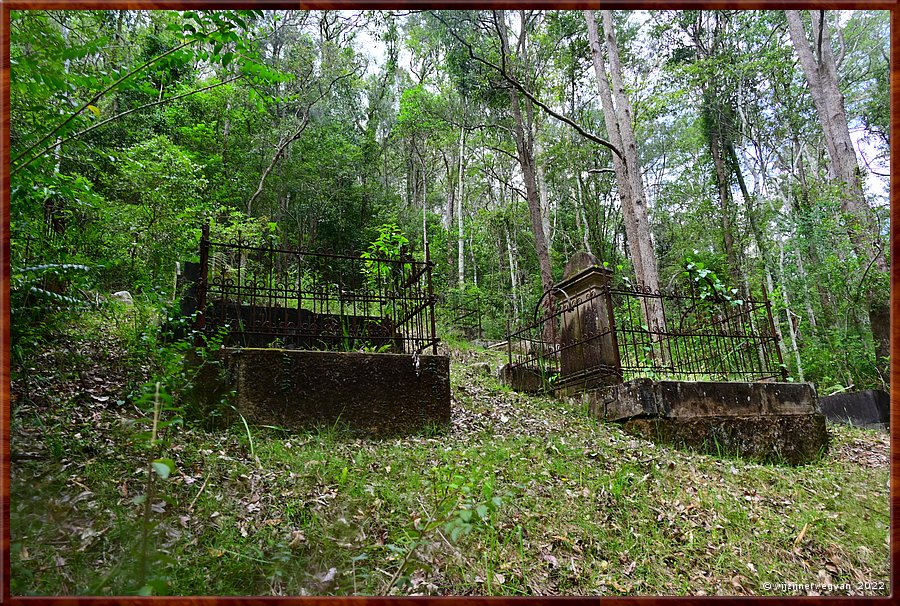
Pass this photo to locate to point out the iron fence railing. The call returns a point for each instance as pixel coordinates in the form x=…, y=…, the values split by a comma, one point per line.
x=464, y=312
x=261, y=295
x=602, y=337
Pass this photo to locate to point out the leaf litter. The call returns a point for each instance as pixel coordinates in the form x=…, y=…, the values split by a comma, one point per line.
x=586, y=508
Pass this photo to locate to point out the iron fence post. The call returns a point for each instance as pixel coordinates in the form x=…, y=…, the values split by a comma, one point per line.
x=429, y=265
x=508, y=342
x=774, y=333
x=200, y=322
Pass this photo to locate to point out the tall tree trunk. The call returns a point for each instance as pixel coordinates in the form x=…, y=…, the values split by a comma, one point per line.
x=460, y=241
x=474, y=263
x=650, y=278
x=513, y=285
x=725, y=200
x=821, y=74
x=424, y=206
x=626, y=194
x=770, y=289
x=628, y=172
x=580, y=215
x=525, y=156
x=798, y=168
x=792, y=331
x=801, y=269
x=449, y=209
x=542, y=194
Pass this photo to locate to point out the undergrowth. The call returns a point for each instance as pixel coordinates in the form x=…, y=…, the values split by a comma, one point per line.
x=520, y=496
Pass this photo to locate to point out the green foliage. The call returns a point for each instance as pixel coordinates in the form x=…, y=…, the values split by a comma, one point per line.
x=418, y=112
x=390, y=244
x=162, y=416
x=39, y=303
x=130, y=129
x=706, y=284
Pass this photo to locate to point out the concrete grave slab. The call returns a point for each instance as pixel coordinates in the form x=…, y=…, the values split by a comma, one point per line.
x=377, y=394
x=870, y=408
x=778, y=422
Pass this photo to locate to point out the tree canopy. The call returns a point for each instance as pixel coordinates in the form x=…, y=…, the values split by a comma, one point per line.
x=482, y=133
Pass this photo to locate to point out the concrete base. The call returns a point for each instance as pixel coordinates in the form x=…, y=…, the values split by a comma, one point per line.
x=689, y=399
x=773, y=422
x=870, y=408
x=367, y=393
x=791, y=439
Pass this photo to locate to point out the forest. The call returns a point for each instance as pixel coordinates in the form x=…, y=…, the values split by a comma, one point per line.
x=742, y=152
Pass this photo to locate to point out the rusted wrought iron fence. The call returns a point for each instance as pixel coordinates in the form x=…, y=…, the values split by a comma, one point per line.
x=463, y=311
x=602, y=337
x=261, y=295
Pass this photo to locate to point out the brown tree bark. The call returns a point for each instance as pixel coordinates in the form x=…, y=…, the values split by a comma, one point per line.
x=725, y=202
x=650, y=278
x=525, y=155
x=612, y=127
x=460, y=235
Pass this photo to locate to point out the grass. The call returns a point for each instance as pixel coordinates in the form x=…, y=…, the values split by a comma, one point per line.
x=520, y=496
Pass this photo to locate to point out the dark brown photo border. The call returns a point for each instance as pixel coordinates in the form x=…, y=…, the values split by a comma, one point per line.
x=8, y=5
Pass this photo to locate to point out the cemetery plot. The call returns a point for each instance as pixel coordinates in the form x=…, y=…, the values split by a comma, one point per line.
x=311, y=338
x=699, y=369
x=595, y=334
x=260, y=296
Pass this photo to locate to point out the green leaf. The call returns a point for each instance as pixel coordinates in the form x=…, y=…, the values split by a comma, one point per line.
x=454, y=534
x=145, y=590
x=164, y=467
x=465, y=515
x=482, y=511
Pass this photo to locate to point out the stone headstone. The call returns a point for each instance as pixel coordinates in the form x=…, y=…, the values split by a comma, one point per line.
x=589, y=356
x=482, y=368
x=861, y=408
x=578, y=262
x=522, y=378
x=123, y=296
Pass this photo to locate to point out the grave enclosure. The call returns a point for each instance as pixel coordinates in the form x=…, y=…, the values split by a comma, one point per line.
x=705, y=371
x=312, y=338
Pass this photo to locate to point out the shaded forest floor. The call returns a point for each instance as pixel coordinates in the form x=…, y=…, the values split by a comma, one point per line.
x=521, y=496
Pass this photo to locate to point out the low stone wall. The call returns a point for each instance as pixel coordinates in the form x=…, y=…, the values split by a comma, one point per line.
x=377, y=394
x=691, y=399
x=772, y=422
x=870, y=408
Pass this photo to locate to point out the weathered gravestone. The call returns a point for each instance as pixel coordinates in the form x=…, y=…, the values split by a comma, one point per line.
x=871, y=408
x=589, y=355
x=523, y=378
